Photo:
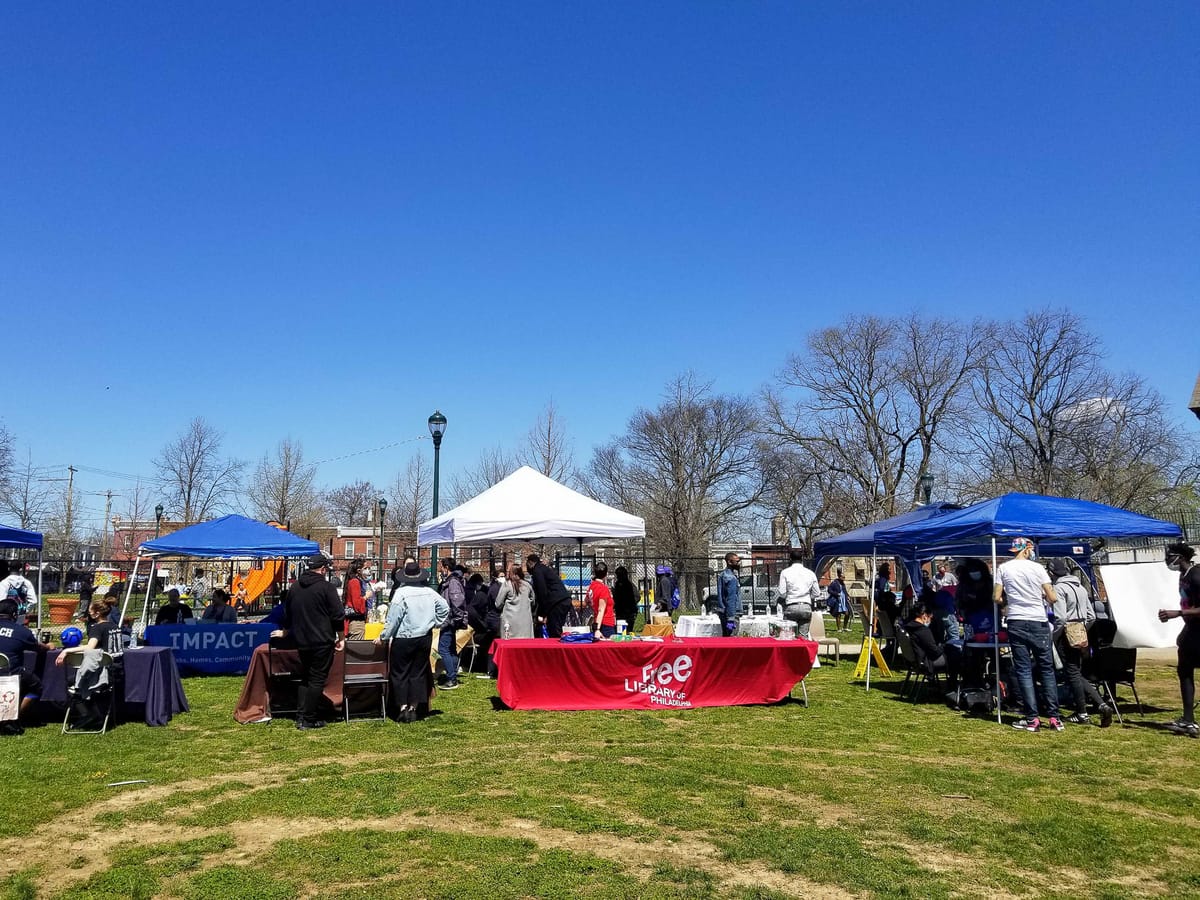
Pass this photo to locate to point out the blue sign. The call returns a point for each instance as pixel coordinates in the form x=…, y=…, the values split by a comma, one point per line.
x=209, y=648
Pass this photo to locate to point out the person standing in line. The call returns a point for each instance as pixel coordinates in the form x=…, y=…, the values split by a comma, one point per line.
x=1023, y=589
x=729, y=594
x=1071, y=604
x=354, y=600
x=515, y=602
x=454, y=590
x=625, y=599
x=1179, y=558
x=313, y=618
x=17, y=587
x=799, y=589
x=200, y=589
x=600, y=598
x=415, y=609
x=550, y=594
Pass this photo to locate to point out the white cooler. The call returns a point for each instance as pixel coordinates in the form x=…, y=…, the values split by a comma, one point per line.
x=699, y=626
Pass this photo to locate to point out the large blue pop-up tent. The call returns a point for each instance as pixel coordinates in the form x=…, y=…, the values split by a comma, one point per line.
x=865, y=541
x=229, y=537
x=1025, y=515
x=1034, y=516
x=32, y=540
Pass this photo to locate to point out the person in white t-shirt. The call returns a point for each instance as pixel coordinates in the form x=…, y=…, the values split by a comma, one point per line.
x=798, y=591
x=1023, y=588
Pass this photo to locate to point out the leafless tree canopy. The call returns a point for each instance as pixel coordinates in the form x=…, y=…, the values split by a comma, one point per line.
x=198, y=479
x=26, y=499
x=282, y=488
x=493, y=466
x=6, y=461
x=691, y=467
x=411, y=497
x=549, y=448
x=869, y=406
x=1058, y=422
x=351, y=504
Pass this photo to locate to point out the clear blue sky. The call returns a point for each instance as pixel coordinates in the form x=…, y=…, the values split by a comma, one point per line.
x=326, y=220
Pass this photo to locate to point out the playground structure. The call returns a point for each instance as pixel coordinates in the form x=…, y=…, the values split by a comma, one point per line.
x=262, y=574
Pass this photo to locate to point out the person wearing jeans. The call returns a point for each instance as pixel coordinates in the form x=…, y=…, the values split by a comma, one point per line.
x=1023, y=588
x=454, y=590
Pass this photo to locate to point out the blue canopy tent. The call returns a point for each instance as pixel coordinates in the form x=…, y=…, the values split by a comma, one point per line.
x=1034, y=516
x=864, y=541
x=32, y=540
x=229, y=537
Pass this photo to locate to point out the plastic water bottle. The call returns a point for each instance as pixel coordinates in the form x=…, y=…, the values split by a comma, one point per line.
x=506, y=630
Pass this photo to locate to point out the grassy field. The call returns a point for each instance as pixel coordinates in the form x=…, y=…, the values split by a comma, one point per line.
x=857, y=795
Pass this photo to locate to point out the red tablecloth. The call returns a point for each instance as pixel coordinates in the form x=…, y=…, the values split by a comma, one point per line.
x=675, y=674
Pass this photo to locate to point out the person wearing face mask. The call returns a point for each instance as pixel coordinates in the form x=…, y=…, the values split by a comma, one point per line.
x=729, y=594
x=1179, y=558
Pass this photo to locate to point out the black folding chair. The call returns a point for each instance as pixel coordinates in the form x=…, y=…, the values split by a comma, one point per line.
x=283, y=677
x=925, y=670
x=1109, y=666
x=366, y=665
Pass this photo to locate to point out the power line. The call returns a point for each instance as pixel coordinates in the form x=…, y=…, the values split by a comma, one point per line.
x=372, y=450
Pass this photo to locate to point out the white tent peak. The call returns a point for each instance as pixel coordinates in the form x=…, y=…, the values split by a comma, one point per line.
x=528, y=505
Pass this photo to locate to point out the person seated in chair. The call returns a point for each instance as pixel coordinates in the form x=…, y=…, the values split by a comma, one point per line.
x=933, y=656
x=174, y=611
x=219, y=610
x=15, y=639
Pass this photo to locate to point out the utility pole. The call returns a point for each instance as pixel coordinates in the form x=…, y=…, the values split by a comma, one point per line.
x=67, y=530
x=104, y=554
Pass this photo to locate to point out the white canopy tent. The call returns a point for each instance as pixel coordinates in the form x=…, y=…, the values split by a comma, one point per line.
x=529, y=506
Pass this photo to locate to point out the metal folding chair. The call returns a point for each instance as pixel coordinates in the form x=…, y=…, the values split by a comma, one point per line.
x=366, y=665
x=104, y=696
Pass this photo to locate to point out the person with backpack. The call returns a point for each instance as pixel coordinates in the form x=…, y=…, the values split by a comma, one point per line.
x=667, y=590
x=1072, y=617
x=17, y=588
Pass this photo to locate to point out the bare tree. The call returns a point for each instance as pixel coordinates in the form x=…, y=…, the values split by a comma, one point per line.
x=6, y=461
x=412, y=494
x=62, y=524
x=351, y=504
x=1060, y=423
x=875, y=401
x=691, y=467
x=493, y=466
x=25, y=498
x=281, y=488
x=137, y=504
x=198, y=479
x=548, y=448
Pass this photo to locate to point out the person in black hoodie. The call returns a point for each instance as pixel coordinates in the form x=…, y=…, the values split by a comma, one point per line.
x=313, y=618
x=550, y=594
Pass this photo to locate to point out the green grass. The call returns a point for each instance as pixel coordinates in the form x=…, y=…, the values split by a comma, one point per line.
x=858, y=795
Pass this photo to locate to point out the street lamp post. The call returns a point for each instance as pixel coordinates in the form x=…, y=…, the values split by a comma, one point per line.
x=926, y=482
x=382, y=519
x=158, y=511
x=437, y=427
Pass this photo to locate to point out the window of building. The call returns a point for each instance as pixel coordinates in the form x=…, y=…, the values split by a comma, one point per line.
x=349, y=549
x=128, y=541
x=392, y=548
x=370, y=549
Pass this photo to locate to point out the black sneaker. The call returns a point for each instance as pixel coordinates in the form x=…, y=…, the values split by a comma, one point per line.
x=450, y=685
x=1106, y=714
x=308, y=726
x=1080, y=718
x=1030, y=724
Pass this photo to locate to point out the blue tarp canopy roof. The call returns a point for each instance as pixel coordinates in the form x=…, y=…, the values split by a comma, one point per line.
x=863, y=541
x=1025, y=515
x=19, y=537
x=229, y=537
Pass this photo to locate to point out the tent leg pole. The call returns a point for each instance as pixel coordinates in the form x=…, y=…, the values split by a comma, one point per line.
x=642, y=587
x=62, y=586
x=869, y=637
x=996, y=630
x=145, y=616
x=129, y=588
x=579, y=556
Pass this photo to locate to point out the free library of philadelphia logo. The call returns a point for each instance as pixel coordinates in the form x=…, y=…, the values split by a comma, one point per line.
x=664, y=683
